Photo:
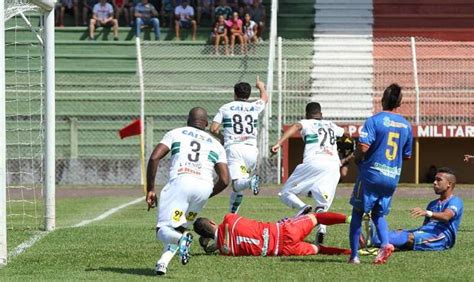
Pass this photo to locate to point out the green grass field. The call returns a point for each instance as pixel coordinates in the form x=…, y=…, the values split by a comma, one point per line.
x=123, y=247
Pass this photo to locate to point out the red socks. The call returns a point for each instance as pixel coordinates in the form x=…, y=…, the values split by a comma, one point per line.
x=333, y=251
x=330, y=218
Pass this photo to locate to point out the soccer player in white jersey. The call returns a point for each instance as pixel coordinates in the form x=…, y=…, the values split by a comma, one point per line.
x=319, y=172
x=240, y=119
x=195, y=154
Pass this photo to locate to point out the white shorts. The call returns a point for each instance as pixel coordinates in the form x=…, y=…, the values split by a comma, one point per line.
x=181, y=200
x=242, y=160
x=321, y=178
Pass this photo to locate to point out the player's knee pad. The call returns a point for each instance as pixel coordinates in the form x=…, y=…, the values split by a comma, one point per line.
x=240, y=184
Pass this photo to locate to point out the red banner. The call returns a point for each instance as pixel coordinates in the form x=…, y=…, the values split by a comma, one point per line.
x=429, y=131
x=134, y=128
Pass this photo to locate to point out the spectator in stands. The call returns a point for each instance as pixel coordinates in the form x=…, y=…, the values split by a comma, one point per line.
x=250, y=30
x=184, y=18
x=257, y=13
x=67, y=6
x=146, y=15
x=122, y=7
x=468, y=158
x=234, y=5
x=223, y=9
x=205, y=7
x=103, y=15
x=219, y=35
x=236, y=32
x=87, y=6
x=431, y=174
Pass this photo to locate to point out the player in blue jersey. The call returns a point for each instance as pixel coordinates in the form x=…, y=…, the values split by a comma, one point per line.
x=385, y=140
x=442, y=219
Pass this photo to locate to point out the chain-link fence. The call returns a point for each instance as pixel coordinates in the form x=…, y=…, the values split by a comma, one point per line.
x=92, y=107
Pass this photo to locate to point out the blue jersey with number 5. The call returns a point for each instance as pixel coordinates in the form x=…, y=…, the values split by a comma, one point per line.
x=389, y=137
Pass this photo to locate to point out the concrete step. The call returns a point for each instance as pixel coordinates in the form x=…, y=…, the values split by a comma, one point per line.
x=342, y=55
x=343, y=37
x=333, y=83
x=361, y=99
x=329, y=6
x=346, y=2
x=355, y=63
x=343, y=19
x=321, y=70
x=343, y=13
x=338, y=76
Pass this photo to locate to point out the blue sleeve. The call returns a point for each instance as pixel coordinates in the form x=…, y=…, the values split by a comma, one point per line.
x=408, y=144
x=367, y=133
x=456, y=205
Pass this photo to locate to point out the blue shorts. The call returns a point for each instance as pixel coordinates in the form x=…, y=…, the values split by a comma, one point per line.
x=425, y=241
x=185, y=24
x=366, y=199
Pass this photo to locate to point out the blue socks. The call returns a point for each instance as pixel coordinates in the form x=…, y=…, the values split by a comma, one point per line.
x=396, y=238
x=382, y=229
x=354, y=232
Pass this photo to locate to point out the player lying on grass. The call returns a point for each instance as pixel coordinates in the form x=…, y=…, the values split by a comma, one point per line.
x=240, y=236
x=195, y=155
x=441, y=224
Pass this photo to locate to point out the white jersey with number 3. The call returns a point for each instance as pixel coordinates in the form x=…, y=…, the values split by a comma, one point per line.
x=319, y=137
x=194, y=152
x=240, y=120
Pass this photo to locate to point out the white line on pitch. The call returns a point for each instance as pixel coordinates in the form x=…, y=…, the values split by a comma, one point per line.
x=39, y=235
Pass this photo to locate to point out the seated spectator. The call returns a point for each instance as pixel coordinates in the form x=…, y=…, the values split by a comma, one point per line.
x=103, y=15
x=250, y=30
x=146, y=15
x=235, y=27
x=67, y=6
x=223, y=9
x=234, y=5
x=430, y=174
x=257, y=13
x=219, y=35
x=184, y=19
x=122, y=7
x=87, y=6
x=205, y=7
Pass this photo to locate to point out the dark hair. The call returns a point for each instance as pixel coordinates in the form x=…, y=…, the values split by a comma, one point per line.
x=203, y=227
x=450, y=172
x=392, y=97
x=242, y=90
x=313, y=108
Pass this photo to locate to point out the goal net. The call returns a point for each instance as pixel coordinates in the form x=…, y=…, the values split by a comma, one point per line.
x=23, y=115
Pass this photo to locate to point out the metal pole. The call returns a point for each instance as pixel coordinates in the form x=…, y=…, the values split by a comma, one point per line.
x=280, y=88
x=3, y=145
x=142, y=111
x=50, y=178
x=285, y=74
x=417, y=102
x=270, y=70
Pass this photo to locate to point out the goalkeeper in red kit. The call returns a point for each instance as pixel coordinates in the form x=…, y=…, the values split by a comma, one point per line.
x=240, y=236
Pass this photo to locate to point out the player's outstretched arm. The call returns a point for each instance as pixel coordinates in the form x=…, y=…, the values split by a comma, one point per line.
x=468, y=158
x=158, y=153
x=261, y=87
x=223, y=173
x=444, y=216
x=293, y=129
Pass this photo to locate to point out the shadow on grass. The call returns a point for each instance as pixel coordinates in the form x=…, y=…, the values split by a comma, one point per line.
x=312, y=260
x=121, y=270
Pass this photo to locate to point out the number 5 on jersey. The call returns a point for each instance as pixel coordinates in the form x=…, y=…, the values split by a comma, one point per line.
x=392, y=143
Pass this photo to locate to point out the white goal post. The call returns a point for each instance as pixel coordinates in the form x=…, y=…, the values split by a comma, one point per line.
x=9, y=9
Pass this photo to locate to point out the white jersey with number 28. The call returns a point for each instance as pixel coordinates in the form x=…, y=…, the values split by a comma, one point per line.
x=319, y=137
x=193, y=152
x=240, y=120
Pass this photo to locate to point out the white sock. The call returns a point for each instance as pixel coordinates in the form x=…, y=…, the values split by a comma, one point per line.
x=292, y=200
x=241, y=184
x=168, y=235
x=168, y=253
x=321, y=228
x=235, y=201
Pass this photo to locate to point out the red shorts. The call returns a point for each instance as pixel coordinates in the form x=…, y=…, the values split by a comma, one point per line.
x=294, y=231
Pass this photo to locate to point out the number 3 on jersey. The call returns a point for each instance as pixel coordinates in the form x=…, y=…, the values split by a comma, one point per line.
x=392, y=143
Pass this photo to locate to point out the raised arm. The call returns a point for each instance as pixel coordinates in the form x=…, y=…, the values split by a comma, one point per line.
x=293, y=129
x=224, y=178
x=261, y=87
x=158, y=153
